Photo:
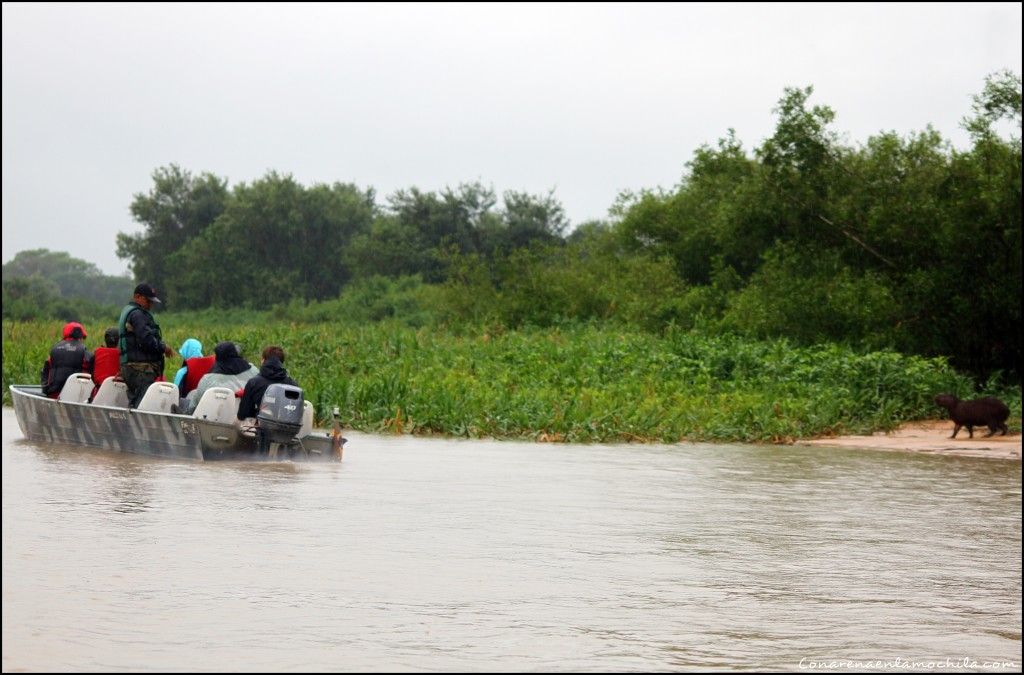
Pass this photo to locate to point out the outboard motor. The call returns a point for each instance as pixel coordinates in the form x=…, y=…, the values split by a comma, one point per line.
x=279, y=417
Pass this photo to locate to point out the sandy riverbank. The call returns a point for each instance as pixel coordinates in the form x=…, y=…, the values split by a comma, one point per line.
x=931, y=437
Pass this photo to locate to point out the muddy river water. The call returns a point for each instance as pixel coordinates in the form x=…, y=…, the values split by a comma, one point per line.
x=421, y=554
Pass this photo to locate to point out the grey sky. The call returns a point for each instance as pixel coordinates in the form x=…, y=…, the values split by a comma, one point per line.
x=586, y=99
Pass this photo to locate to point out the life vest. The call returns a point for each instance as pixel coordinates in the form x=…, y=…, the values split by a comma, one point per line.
x=66, y=358
x=196, y=367
x=131, y=350
x=106, y=361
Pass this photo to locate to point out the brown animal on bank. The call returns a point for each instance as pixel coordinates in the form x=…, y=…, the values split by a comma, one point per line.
x=988, y=412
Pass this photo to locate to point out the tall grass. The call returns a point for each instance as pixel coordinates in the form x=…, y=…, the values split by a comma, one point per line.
x=576, y=383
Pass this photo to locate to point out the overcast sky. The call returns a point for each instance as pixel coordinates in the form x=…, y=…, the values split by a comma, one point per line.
x=588, y=100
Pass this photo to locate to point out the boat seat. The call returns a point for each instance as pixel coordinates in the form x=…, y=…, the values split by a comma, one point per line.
x=307, y=420
x=159, y=397
x=218, y=404
x=112, y=392
x=77, y=389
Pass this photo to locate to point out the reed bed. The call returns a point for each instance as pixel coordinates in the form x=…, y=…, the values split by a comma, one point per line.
x=573, y=384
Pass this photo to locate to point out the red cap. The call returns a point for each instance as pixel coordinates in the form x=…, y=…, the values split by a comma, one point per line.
x=69, y=330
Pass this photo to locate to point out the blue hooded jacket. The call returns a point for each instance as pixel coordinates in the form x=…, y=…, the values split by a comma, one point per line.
x=190, y=349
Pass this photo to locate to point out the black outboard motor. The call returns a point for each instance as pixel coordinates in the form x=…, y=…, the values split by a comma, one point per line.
x=279, y=417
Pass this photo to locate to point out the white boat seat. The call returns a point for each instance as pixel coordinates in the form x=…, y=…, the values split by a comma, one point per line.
x=218, y=404
x=159, y=397
x=112, y=392
x=77, y=389
x=307, y=420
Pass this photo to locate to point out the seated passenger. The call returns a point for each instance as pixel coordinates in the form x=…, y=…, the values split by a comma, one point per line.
x=193, y=366
x=67, y=357
x=229, y=370
x=271, y=372
x=106, y=360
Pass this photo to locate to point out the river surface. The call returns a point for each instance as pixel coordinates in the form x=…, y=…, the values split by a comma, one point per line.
x=421, y=554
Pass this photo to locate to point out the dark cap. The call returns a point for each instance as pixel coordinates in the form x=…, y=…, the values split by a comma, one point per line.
x=147, y=291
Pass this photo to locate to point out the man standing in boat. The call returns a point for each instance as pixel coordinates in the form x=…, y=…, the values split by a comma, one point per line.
x=141, y=344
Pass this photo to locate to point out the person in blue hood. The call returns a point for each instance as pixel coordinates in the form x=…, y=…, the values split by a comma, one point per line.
x=191, y=370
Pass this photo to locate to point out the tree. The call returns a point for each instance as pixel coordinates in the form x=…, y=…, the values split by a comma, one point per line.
x=901, y=241
x=276, y=240
x=717, y=211
x=177, y=209
x=391, y=247
x=532, y=218
x=434, y=223
x=1000, y=99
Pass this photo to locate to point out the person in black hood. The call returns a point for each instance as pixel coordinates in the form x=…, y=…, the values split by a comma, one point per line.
x=229, y=370
x=271, y=372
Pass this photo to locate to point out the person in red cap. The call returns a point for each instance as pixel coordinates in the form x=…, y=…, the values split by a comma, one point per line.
x=141, y=343
x=67, y=357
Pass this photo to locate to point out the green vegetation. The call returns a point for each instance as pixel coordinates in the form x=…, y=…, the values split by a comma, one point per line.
x=903, y=242
x=572, y=383
x=804, y=287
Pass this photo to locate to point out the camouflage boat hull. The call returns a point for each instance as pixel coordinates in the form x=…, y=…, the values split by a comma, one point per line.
x=151, y=433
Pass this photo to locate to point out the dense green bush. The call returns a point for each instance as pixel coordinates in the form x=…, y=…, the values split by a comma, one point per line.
x=813, y=298
x=406, y=300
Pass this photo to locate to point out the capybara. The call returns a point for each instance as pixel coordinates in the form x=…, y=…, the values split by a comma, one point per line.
x=989, y=412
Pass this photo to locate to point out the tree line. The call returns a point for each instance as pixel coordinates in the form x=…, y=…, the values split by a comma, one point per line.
x=901, y=241
x=274, y=239
x=44, y=283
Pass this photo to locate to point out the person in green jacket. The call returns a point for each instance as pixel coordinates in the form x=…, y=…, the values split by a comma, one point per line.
x=141, y=344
